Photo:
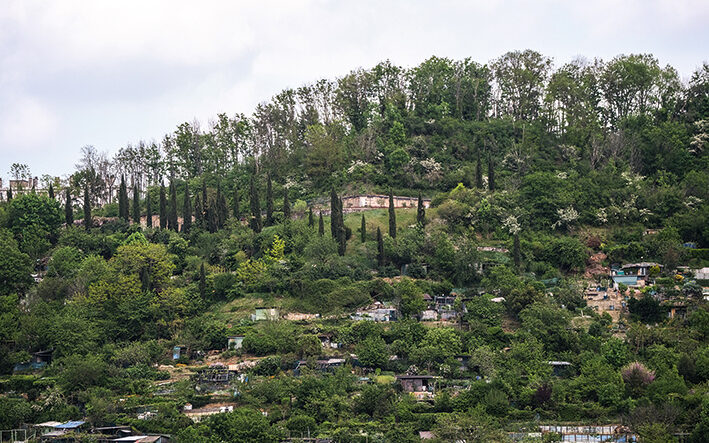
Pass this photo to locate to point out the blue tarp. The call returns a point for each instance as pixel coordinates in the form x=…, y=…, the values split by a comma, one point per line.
x=70, y=425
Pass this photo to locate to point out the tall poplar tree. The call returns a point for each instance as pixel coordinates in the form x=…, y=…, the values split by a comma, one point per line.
x=172, y=214
x=9, y=194
x=87, y=209
x=363, y=230
x=136, y=205
x=421, y=212
x=68, y=209
x=311, y=220
x=163, y=207
x=148, y=210
x=255, y=223
x=321, y=225
x=50, y=191
x=269, y=200
x=392, y=215
x=187, y=210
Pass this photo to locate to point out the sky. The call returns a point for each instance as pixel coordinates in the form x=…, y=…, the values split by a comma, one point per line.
x=76, y=73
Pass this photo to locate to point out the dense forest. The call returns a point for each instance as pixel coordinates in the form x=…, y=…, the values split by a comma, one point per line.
x=530, y=184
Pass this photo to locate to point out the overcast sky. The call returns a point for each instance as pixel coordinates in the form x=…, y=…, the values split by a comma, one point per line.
x=74, y=73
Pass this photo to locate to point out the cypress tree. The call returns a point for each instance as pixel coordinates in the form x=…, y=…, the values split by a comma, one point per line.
x=269, y=200
x=148, y=210
x=516, y=253
x=87, y=209
x=212, y=217
x=123, y=200
x=34, y=189
x=479, y=173
x=68, y=209
x=187, y=210
x=334, y=212
x=9, y=194
x=172, y=215
x=235, y=204
x=342, y=233
x=311, y=220
x=218, y=207
x=421, y=212
x=380, y=248
x=392, y=216
x=163, y=207
x=202, y=282
x=198, y=212
x=136, y=205
x=490, y=175
x=256, y=223
x=222, y=209
x=50, y=192
x=363, y=230
x=286, y=205
x=205, y=203
x=321, y=226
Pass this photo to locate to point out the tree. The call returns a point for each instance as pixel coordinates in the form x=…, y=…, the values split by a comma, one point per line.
x=490, y=174
x=222, y=211
x=198, y=211
x=516, y=253
x=172, y=214
x=411, y=301
x=311, y=220
x=255, y=223
x=363, y=230
x=136, y=205
x=380, y=248
x=68, y=209
x=372, y=352
x=163, y=207
x=337, y=222
x=235, y=204
x=15, y=266
x=202, y=282
x=123, y=200
x=392, y=215
x=421, y=212
x=50, y=191
x=479, y=172
x=87, y=209
x=321, y=226
x=148, y=210
x=9, y=194
x=286, y=205
x=269, y=200
x=187, y=210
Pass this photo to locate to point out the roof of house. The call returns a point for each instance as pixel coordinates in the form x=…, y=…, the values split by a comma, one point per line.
x=48, y=424
x=414, y=377
x=559, y=363
x=641, y=265
x=70, y=425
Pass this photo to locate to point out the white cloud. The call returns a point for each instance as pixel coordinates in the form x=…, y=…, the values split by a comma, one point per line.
x=26, y=124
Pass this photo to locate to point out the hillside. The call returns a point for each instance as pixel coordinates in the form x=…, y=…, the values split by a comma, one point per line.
x=548, y=268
